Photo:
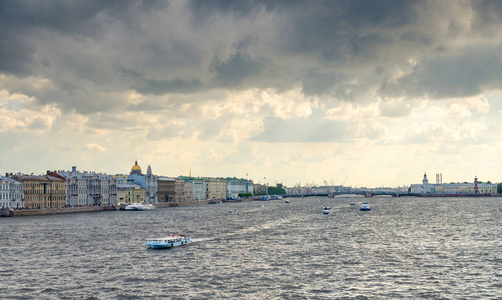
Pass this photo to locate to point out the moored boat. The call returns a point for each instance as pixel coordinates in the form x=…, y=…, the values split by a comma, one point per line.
x=169, y=241
x=139, y=206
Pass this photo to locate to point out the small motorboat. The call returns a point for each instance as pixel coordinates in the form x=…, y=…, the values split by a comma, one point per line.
x=352, y=203
x=233, y=212
x=286, y=201
x=326, y=210
x=365, y=206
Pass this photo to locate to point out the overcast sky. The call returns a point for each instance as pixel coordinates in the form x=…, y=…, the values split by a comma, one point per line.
x=360, y=93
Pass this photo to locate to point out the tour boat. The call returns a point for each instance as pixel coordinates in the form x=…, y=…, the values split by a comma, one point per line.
x=365, y=206
x=169, y=241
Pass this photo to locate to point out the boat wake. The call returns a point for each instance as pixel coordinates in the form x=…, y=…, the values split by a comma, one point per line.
x=203, y=239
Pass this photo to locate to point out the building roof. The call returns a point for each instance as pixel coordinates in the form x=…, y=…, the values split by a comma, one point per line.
x=8, y=179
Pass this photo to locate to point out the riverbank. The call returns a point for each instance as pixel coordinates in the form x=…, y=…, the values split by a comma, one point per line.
x=56, y=211
x=82, y=209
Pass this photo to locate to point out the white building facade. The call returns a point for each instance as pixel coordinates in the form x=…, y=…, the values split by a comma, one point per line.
x=89, y=188
x=11, y=193
x=237, y=186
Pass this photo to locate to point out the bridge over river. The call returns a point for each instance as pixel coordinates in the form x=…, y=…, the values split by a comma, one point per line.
x=365, y=193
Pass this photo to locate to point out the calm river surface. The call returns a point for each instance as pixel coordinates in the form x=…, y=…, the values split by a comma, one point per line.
x=447, y=248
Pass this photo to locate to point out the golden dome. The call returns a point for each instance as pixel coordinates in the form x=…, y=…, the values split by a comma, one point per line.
x=136, y=167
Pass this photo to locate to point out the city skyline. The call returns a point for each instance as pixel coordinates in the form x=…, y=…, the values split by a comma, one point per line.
x=355, y=93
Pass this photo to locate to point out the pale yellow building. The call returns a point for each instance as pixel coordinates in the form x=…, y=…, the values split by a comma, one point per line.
x=216, y=189
x=130, y=193
x=188, y=187
x=43, y=191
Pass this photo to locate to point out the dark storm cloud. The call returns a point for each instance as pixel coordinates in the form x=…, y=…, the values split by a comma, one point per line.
x=342, y=50
x=464, y=75
x=21, y=21
x=236, y=69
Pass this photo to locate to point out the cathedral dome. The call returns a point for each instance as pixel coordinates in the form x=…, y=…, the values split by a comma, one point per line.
x=136, y=168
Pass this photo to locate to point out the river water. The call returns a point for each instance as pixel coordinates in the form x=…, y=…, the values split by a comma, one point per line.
x=439, y=248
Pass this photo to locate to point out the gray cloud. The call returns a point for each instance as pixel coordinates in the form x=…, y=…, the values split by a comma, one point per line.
x=468, y=73
x=344, y=50
x=237, y=68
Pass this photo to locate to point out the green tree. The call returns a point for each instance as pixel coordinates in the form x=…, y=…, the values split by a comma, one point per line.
x=499, y=188
x=276, y=190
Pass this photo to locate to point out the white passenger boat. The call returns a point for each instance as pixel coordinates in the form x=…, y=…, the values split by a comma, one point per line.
x=169, y=241
x=365, y=206
x=139, y=206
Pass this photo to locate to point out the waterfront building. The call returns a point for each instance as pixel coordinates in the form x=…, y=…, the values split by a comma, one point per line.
x=195, y=189
x=188, y=190
x=424, y=188
x=261, y=189
x=179, y=191
x=128, y=192
x=167, y=189
x=216, y=189
x=199, y=190
x=88, y=188
x=322, y=189
x=149, y=182
x=452, y=188
x=237, y=186
x=11, y=193
x=44, y=191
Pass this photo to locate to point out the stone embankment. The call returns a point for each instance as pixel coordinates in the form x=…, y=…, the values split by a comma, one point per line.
x=72, y=210
x=55, y=211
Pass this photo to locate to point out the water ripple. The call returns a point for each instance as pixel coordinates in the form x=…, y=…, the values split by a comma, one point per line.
x=404, y=248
